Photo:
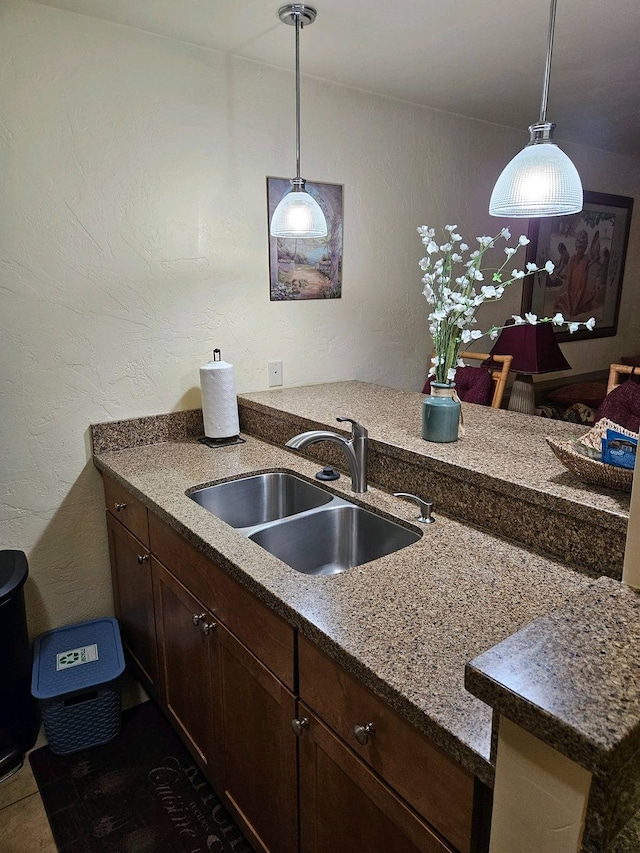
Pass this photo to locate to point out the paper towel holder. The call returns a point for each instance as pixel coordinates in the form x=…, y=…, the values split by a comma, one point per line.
x=224, y=441
x=221, y=442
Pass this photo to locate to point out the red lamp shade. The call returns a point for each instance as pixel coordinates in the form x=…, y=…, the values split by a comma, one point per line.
x=534, y=348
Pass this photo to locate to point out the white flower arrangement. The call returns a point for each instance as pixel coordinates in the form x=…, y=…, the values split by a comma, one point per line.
x=456, y=298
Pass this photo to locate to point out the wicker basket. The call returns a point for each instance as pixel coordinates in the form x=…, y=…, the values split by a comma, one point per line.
x=574, y=455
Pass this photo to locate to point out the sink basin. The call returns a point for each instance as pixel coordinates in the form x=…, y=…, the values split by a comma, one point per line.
x=260, y=498
x=302, y=524
x=333, y=539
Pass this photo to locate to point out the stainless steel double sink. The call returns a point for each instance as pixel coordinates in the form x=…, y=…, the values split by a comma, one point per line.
x=308, y=528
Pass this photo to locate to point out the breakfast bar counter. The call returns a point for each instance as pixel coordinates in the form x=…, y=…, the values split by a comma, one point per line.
x=500, y=475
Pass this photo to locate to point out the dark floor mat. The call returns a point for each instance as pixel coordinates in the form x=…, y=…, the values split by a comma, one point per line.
x=140, y=793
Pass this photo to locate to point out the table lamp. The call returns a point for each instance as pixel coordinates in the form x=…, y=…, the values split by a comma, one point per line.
x=535, y=350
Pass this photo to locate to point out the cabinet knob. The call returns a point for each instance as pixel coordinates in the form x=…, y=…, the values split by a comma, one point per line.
x=197, y=618
x=363, y=733
x=299, y=726
x=207, y=627
x=142, y=558
x=120, y=506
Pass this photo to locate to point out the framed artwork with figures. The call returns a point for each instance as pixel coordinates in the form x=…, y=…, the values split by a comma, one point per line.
x=588, y=250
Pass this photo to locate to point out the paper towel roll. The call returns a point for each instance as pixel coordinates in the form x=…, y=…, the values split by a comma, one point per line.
x=219, y=402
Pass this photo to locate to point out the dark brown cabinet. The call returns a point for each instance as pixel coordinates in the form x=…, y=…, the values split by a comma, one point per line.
x=344, y=806
x=189, y=668
x=231, y=676
x=437, y=788
x=133, y=600
x=228, y=700
x=259, y=748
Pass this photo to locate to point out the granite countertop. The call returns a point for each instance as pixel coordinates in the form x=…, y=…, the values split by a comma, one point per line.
x=543, y=677
x=501, y=475
x=406, y=624
x=572, y=679
x=506, y=447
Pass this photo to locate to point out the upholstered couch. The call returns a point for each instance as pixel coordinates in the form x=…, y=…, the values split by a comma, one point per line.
x=587, y=401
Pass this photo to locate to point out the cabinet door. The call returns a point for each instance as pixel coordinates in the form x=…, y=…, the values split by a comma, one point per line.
x=344, y=806
x=259, y=749
x=187, y=646
x=133, y=599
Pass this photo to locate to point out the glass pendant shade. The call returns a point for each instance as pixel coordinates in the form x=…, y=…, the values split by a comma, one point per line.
x=540, y=181
x=298, y=214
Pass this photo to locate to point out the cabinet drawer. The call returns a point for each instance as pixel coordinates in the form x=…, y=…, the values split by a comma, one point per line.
x=437, y=787
x=260, y=629
x=128, y=510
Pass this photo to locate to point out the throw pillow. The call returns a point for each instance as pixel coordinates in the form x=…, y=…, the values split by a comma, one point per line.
x=622, y=406
x=473, y=384
x=589, y=393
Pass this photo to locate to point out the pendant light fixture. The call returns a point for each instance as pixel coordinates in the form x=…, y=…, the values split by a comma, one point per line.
x=298, y=214
x=541, y=180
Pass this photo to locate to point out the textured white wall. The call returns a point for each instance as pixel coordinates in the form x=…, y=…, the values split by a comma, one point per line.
x=133, y=240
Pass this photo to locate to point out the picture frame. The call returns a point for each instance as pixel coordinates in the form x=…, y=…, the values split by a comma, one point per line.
x=301, y=268
x=588, y=250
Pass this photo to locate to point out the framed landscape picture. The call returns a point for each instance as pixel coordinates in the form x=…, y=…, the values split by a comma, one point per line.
x=301, y=268
x=588, y=250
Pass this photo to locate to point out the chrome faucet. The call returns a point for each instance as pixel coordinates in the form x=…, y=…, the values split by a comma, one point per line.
x=355, y=449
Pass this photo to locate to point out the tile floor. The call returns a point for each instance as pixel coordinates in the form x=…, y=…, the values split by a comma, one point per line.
x=24, y=827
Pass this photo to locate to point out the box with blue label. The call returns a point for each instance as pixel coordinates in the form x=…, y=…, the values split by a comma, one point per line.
x=619, y=449
x=76, y=680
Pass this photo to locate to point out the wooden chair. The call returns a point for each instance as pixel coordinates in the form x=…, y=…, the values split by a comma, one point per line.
x=617, y=371
x=499, y=374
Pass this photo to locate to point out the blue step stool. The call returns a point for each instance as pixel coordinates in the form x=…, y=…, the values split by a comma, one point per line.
x=76, y=680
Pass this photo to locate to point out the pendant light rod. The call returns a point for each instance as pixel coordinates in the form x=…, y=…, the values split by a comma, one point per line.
x=297, y=15
x=547, y=67
x=298, y=95
x=298, y=214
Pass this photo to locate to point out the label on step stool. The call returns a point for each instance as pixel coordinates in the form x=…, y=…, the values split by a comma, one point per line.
x=74, y=657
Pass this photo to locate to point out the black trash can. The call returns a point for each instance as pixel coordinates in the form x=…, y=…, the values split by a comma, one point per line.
x=19, y=721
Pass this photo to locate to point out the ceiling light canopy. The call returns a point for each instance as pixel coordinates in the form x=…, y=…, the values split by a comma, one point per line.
x=298, y=214
x=541, y=180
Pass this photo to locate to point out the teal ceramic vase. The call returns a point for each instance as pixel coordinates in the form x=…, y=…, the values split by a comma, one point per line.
x=441, y=414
